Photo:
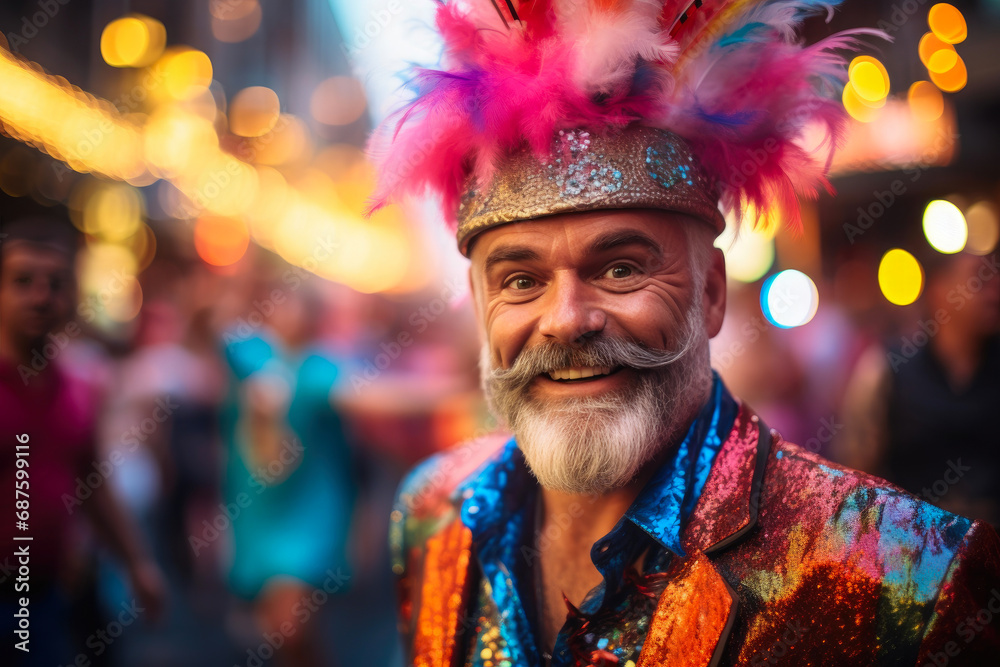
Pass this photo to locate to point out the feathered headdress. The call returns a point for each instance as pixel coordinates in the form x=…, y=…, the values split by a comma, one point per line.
x=729, y=78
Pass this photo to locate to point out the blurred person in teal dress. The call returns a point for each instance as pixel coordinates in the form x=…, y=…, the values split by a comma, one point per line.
x=288, y=488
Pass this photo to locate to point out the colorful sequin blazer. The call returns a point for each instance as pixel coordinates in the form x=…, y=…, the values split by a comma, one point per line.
x=787, y=559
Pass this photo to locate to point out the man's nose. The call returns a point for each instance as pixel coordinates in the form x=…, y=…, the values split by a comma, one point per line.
x=572, y=311
x=41, y=294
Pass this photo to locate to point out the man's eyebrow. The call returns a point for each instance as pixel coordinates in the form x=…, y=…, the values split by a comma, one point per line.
x=510, y=254
x=625, y=237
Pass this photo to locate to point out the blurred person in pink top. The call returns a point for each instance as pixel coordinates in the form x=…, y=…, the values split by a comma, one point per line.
x=55, y=414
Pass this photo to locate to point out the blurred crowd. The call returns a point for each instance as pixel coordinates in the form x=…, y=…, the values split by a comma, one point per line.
x=224, y=469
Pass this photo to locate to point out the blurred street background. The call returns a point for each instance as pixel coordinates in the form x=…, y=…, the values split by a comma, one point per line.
x=255, y=365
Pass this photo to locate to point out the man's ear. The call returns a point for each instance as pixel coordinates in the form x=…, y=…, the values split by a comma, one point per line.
x=714, y=297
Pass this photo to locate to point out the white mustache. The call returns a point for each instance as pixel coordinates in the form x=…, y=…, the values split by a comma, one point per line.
x=600, y=351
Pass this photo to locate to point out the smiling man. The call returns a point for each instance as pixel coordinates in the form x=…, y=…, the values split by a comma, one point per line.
x=642, y=515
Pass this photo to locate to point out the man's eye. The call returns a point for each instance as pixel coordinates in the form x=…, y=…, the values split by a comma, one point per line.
x=522, y=283
x=619, y=271
x=22, y=280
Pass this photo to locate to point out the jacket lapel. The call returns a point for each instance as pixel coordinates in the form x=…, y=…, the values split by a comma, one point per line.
x=693, y=617
x=727, y=509
x=696, y=611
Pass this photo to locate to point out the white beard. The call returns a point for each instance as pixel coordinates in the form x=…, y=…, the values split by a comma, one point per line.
x=592, y=445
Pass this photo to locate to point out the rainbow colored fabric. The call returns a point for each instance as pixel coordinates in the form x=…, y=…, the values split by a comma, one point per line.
x=764, y=554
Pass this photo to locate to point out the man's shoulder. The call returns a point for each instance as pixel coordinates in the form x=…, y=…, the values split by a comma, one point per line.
x=434, y=482
x=795, y=465
x=430, y=495
x=850, y=510
x=851, y=540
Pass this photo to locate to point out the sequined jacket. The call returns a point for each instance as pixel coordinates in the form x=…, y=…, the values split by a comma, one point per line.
x=786, y=559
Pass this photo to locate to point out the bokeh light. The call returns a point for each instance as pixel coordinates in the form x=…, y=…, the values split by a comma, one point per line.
x=926, y=101
x=954, y=79
x=858, y=110
x=185, y=72
x=945, y=227
x=869, y=79
x=749, y=254
x=984, y=228
x=269, y=206
x=947, y=22
x=142, y=245
x=133, y=41
x=234, y=20
x=929, y=45
x=220, y=241
x=254, y=111
x=339, y=100
x=941, y=61
x=86, y=133
x=108, y=282
x=789, y=299
x=113, y=212
x=177, y=142
x=287, y=142
x=127, y=303
x=900, y=277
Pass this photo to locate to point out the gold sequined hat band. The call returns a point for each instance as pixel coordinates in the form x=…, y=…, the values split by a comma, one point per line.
x=639, y=167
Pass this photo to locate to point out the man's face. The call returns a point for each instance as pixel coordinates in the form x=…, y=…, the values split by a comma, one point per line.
x=596, y=330
x=36, y=291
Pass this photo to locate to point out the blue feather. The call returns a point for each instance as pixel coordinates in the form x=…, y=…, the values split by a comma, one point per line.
x=735, y=119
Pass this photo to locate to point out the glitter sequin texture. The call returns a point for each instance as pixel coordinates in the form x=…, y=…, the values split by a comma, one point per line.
x=786, y=559
x=585, y=172
x=670, y=167
x=578, y=169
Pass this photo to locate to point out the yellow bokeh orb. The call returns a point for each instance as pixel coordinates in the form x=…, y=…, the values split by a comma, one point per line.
x=186, y=73
x=858, y=110
x=947, y=22
x=113, y=212
x=869, y=78
x=133, y=41
x=900, y=277
x=108, y=283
